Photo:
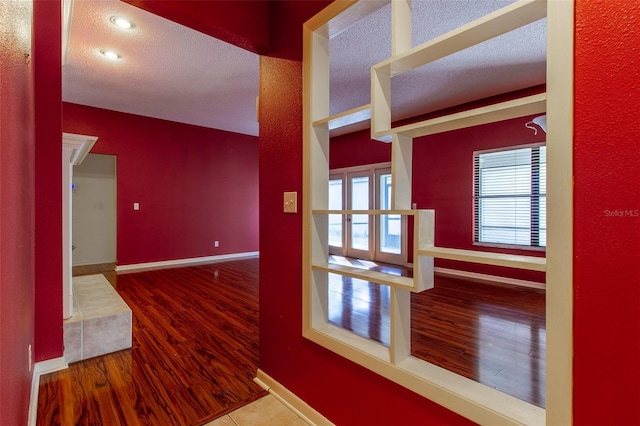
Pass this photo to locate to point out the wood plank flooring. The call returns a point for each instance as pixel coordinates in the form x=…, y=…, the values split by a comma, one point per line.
x=493, y=334
x=195, y=344
x=194, y=355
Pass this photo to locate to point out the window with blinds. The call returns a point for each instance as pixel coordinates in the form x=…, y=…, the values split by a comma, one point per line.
x=510, y=196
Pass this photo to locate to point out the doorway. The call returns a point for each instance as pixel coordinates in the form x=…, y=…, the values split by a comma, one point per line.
x=94, y=211
x=363, y=236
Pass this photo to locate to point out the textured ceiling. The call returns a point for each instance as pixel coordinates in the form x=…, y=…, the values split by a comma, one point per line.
x=510, y=62
x=166, y=71
x=169, y=71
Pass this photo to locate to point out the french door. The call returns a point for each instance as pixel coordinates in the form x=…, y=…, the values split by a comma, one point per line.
x=390, y=246
x=363, y=236
x=358, y=227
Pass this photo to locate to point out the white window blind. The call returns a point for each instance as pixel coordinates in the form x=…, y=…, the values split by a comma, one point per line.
x=510, y=196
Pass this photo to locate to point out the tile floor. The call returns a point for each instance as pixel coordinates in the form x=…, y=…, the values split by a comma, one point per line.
x=267, y=411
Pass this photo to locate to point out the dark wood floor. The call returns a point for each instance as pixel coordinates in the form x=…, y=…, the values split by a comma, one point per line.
x=195, y=344
x=194, y=355
x=93, y=269
x=492, y=334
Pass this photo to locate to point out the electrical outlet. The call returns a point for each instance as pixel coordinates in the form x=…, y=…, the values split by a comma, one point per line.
x=216, y=243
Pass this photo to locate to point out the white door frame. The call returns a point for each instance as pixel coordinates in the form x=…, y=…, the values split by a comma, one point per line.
x=74, y=149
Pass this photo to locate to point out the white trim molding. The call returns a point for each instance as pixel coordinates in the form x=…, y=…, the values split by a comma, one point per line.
x=139, y=267
x=291, y=400
x=79, y=146
x=50, y=366
x=74, y=150
x=41, y=368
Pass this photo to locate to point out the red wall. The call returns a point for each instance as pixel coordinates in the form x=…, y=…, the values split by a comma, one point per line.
x=607, y=183
x=194, y=185
x=357, y=149
x=17, y=148
x=48, y=178
x=242, y=23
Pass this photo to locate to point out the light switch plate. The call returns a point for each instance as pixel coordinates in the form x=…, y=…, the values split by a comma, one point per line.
x=291, y=202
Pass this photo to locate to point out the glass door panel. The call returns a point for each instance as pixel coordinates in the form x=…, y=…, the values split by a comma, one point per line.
x=359, y=226
x=389, y=245
x=390, y=228
x=336, y=220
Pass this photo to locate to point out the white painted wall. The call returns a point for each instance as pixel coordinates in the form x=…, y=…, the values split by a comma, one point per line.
x=94, y=210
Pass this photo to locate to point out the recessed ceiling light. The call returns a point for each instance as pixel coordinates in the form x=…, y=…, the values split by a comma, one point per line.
x=110, y=54
x=121, y=22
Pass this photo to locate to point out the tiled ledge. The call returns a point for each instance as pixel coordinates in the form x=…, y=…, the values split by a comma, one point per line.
x=101, y=321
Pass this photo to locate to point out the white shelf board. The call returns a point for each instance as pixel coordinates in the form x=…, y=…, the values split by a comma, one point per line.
x=502, y=21
x=499, y=259
x=534, y=104
x=507, y=409
x=335, y=337
x=367, y=275
x=346, y=118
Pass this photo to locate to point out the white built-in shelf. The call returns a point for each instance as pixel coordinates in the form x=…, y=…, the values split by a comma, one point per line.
x=472, y=400
x=394, y=281
x=499, y=22
x=422, y=237
x=534, y=104
x=506, y=19
x=488, y=258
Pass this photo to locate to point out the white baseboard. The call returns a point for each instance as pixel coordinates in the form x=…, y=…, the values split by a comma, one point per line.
x=291, y=400
x=490, y=278
x=39, y=369
x=93, y=262
x=138, y=267
x=50, y=366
